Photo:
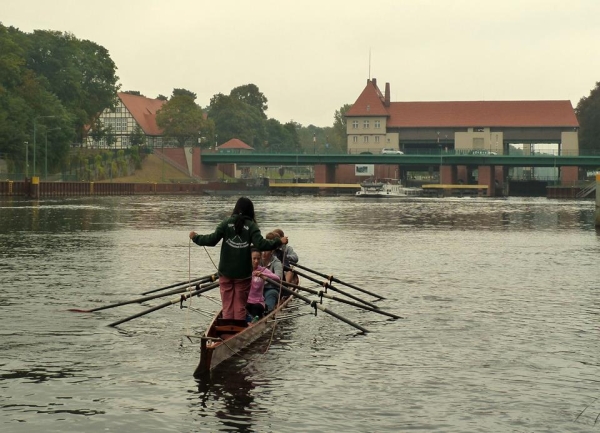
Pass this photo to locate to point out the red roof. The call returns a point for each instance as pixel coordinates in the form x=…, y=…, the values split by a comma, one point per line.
x=465, y=113
x=235, y=143
x=369, y=103
x=143, y=111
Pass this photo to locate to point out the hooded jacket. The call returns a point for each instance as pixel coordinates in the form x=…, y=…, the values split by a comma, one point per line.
x=236, y=260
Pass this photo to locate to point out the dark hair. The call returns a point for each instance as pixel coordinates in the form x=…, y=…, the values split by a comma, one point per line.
x=279, y=232
x=254, y=250
x=271, y=236
x=244, y=209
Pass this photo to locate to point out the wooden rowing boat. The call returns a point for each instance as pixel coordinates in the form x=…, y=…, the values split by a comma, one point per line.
x=225, y=338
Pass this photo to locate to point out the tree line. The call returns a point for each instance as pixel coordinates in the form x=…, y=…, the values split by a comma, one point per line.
x=53, y=86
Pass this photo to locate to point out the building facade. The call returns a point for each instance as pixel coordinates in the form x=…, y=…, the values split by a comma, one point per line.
x=374, y=122
x=133, y=114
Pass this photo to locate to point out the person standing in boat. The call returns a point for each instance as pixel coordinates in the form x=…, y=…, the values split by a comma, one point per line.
x=287, y=256
x=238, y=232
x=271, y=262
x=256, y=298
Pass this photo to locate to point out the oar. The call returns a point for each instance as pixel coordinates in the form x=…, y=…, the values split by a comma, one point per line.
x=335, y=298
x=137, y=300
x=206, y=278
x=317, y=305
x=337, y=280
x=335, y=289
x=181, y=298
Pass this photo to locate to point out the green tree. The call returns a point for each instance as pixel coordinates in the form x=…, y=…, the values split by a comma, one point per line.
x=251, y=95
x=184, y=92
x=137, y=136
x=236, y=119
x=338, y=136
x=162, y=97
x=588, y=115
x=182, y=119
x=133, y=92
x=79, y=72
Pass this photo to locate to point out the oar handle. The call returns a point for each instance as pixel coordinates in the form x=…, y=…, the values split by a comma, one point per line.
x=166, y=304
x=335, y=289
x=315, y=304
x=204, y=279
x=344, y=301
x=331, y=278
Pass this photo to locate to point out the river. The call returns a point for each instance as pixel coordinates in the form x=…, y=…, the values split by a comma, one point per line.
x=499, y=299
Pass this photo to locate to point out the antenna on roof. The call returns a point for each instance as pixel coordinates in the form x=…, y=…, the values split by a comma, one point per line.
x=369, y=63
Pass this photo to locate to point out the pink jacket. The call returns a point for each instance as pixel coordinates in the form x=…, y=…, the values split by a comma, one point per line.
x=256, y=288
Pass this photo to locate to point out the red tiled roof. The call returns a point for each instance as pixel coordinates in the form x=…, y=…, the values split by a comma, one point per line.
x=143, y=111
x=235, y=143
x=369, y=103
x=482, y=113
x=464, y=113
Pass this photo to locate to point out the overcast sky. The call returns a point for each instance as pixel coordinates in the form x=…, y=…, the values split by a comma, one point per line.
x=311, y=57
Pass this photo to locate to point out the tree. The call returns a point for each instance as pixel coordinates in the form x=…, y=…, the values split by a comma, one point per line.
x=282, y=138
x=251, y=95
x=133, y=92
x=338, y=139
x=162, y=97
x=182, y=119
x=79, y=72
x=588, y=115
x=137, y=136
x=236, y=119
x=184, y=92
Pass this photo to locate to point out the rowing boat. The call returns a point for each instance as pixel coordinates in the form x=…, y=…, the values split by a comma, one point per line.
x=226, y=337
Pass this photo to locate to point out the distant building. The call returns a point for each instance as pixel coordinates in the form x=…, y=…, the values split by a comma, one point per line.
x=131, y=112
x=374, y=123
x=234, y=145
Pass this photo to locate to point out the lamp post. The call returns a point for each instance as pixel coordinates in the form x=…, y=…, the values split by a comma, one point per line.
x=441, y=155
x=315, y=143
x=34, y=136
x=46, y=154
x=27, y=159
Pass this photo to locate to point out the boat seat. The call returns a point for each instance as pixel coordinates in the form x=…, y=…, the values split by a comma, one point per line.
x=232, y=322
x=229, y=329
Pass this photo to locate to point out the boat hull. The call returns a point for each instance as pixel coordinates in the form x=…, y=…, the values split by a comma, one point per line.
x=217, y=346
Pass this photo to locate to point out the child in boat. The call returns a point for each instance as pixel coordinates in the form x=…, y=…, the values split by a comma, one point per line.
x=271, y=262
x=287, y=256
x=256, y=298
x=238, y=232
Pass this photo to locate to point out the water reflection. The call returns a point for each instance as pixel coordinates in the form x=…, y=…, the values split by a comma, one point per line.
x=227, y=393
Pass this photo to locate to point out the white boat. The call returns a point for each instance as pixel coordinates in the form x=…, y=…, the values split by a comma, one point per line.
x=387, y=190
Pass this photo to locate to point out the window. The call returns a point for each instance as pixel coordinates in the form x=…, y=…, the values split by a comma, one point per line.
x=355, y=139
x=478, y=129
x=365, y=139
x=355, y=124
x=377, y=139
x=125, y=141
x=477, y=143
x=116, y=123
x=366, y=124
x=377, y=124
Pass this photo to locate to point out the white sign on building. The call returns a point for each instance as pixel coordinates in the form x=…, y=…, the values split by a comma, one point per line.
x=364, y=169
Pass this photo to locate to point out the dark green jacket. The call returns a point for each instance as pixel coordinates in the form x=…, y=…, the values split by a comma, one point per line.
x=236, y=260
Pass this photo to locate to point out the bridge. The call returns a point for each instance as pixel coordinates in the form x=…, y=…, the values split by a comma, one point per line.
x=407, y=160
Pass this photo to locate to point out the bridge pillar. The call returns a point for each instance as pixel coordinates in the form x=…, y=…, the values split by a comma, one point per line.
x=448, y=174
x=597, y=200
x=487, y=176
x=203, y=171
x=569, y=175
x=325, y=173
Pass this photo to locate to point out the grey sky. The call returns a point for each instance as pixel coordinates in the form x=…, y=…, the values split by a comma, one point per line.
x=311, y=57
